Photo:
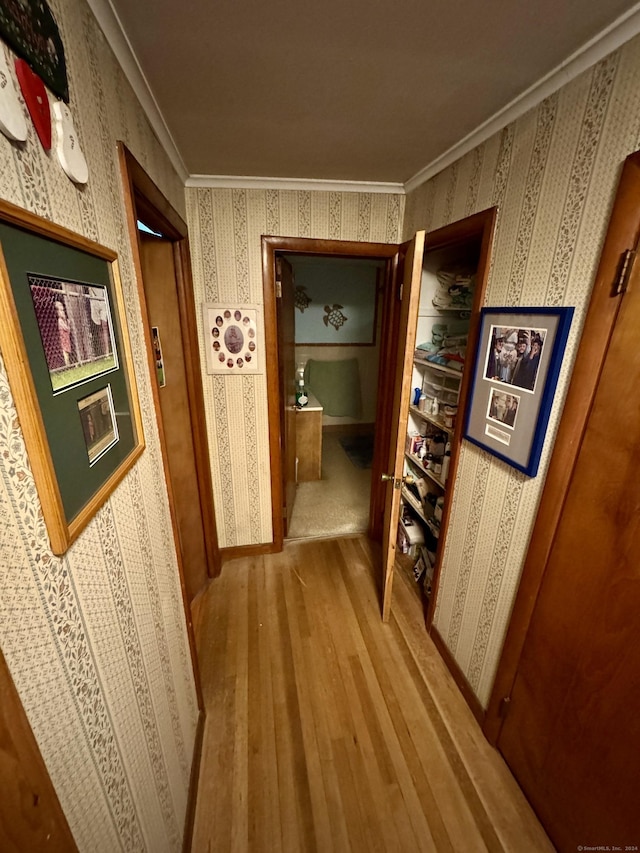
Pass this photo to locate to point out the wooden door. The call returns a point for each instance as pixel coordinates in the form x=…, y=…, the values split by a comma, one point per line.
x=410, y=298
x=159, y=278
x=572, y=732
x=31, y=817
x=286, y=378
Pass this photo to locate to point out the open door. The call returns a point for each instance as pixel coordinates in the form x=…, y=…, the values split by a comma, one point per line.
x=410, y=298
x=286, y=379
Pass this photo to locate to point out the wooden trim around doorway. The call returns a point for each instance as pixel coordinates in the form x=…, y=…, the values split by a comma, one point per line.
x=480, y=227
x=302, y=246
x=143, y=198
x=623, y=234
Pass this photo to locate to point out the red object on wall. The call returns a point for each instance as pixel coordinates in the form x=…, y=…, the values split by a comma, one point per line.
x=37, y=101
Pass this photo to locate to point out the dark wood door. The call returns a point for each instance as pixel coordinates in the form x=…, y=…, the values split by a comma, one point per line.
x=287, y=377
x=572, y=731
x=31, y=817
x=159, y=275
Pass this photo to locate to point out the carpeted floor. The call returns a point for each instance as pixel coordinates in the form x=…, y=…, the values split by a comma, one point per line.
x=336, y=505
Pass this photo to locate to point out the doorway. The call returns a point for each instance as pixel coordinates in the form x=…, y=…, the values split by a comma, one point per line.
x=166, y=296
x=280, y=256
x=336, y=355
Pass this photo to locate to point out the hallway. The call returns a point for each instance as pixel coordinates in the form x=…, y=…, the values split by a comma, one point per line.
x=327, y=730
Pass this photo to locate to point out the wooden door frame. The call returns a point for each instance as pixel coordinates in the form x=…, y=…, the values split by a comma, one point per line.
x=144, y=199
x=481, y=227
x=623, y=234
x=301, y=246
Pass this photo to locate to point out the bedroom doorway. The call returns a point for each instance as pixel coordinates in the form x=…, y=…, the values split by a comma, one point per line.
x=336, y=348
x=326, y=468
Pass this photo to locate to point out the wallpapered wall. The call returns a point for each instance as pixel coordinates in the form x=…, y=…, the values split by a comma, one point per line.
x=553, y=175
x=225, y=229
x=96, y=641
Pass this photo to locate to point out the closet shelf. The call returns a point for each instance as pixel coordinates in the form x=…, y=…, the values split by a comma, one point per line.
x=432, y=419
x=415, y=461
x=439, y=368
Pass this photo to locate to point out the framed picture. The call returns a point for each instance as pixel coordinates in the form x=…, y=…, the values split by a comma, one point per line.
x=516, y=371
x=66, y=348
x=233, y=338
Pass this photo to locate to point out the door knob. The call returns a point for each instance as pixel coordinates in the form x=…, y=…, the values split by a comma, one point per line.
x=408, y=479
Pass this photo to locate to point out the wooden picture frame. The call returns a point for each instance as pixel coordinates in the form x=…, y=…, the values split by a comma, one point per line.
x=82, y=330
x=516, y=370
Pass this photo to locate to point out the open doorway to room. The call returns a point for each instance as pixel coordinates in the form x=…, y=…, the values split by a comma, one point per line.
x=337, y=341
x=364, y=383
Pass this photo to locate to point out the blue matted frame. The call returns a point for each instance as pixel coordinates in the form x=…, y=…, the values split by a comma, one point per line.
x=518, y=359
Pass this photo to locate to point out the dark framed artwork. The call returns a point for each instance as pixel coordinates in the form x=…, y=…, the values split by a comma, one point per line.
x=66, y=348
x=518, y=360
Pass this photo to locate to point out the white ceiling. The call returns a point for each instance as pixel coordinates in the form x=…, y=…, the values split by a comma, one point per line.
x=348, y=90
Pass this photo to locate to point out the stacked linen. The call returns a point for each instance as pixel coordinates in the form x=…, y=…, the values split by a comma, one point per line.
x=446, y=347
x=454, y=289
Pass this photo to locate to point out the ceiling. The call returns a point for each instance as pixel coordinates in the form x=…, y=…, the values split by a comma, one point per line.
x=363, y=90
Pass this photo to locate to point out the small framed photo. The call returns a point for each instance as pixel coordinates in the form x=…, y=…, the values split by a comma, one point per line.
x=517, y=364
x=99, y=425
x=233, y=338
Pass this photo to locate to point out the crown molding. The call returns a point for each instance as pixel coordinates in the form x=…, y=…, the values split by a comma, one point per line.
x=614, y=36
x=116, y=37
x=610, y=39
x=246, y=182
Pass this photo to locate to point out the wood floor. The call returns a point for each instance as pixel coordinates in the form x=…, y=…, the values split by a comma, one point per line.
x=329, y=731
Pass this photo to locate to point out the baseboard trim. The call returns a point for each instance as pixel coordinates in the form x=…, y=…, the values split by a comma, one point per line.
x=236, y=551
x=458, y=676
x=192, y=799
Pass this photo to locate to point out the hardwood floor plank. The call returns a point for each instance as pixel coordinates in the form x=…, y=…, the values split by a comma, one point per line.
x=329, y=731
x=285, y=758
x=264, y=786
x=299, y=768
x=299, y=633
x=238, y=664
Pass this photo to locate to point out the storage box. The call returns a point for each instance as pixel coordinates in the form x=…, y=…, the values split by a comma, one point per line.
x=410, y=538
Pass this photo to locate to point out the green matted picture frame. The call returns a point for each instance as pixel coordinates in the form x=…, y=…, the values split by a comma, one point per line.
x=65, y=343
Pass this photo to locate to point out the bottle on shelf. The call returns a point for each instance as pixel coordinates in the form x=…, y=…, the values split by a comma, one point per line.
x=301, y=395
x=446, y=462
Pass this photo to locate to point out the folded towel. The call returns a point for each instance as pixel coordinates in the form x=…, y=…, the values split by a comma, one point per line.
x=336, y=384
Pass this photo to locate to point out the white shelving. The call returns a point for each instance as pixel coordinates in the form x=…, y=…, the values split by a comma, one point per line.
x=435, y=380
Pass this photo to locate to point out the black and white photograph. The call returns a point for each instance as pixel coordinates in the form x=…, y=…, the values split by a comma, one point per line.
x=503, y=407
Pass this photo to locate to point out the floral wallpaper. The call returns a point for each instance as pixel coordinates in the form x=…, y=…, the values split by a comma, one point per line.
x=225, y=230
x=96, y=640
x=553, y=175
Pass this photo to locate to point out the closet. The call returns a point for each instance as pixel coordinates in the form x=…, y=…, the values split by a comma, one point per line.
x=444, y=284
